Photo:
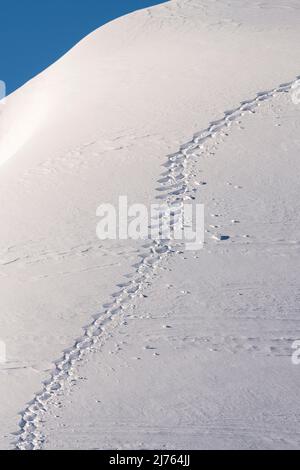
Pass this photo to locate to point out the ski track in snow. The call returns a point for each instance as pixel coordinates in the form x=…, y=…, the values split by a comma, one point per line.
x=176, y=185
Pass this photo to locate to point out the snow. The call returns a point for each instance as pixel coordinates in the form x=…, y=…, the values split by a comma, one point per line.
x=202, y=356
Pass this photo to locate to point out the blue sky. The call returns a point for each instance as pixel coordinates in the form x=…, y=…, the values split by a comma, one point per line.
x=35, y=33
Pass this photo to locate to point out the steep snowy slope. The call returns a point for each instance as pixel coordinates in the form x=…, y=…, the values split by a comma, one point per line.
x=100, y=123
x=221, y=374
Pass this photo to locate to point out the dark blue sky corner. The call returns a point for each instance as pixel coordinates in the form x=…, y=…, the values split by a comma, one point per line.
x=34, y=34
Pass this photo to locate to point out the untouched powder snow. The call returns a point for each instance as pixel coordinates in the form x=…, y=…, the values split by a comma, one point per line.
x=98, y=124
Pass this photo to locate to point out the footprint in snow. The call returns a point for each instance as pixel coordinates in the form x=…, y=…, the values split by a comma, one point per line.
x=220, y=237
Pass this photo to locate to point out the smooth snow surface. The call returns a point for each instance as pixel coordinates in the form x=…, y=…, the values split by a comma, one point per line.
x=201, y=356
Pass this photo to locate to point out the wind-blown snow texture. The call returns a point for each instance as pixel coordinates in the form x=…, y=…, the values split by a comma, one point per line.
x=194, y=348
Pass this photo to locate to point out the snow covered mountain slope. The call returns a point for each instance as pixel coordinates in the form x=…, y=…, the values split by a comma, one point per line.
x=98, y=124
x=204, y=360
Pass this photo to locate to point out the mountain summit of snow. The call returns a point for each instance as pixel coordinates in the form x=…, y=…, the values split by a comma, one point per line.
x=100, y=123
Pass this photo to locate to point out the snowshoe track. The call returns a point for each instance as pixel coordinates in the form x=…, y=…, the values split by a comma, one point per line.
x=175, y=187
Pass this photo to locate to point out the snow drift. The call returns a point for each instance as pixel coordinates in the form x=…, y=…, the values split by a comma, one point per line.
x=98, y=124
